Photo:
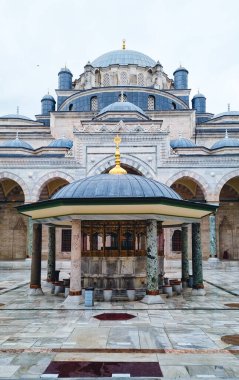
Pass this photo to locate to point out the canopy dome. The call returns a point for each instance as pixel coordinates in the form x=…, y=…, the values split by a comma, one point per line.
x=182, y=143
x=122, y=107
x=116, y=186
x=124, y=57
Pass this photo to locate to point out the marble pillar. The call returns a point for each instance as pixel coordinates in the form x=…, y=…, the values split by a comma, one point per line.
x=29, y=237
x=198, y=287
x=35, y=283
x=185, y=262
x=213, y=244
x=51, y=261
x=75, y=281
x=152, y=292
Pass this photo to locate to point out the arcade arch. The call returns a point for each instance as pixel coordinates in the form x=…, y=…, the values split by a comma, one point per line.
x=13, y=226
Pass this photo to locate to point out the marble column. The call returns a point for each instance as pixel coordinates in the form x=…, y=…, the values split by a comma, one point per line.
x=51, y=261
x=152, y=292
x=29, y=237
x=75, y=282
x=185, y=262
x=213, y=244
x=160, y=233
x=35, y=283
x=198, y=287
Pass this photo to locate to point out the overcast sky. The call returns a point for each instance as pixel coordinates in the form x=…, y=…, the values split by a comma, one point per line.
x=38, y=37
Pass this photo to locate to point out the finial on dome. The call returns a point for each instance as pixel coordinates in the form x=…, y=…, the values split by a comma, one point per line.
x=122, y=96
x=17, y=110
x=228, y=107
x=123, y=44
x=117, y=169
x=17, y=138
x=226, y=134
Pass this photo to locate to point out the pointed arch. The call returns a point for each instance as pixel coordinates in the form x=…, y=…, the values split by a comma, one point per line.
x=133, y=162
x=19, y=181
x=224, y=180
x=195, y=177
x=45, y=179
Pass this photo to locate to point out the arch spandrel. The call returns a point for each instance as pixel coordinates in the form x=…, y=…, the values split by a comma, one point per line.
x=138, y=165
x=200, y=181
x=227, y=177
x=19, y=181
x=44, y=180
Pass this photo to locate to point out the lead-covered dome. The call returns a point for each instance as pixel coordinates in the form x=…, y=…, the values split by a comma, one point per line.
x=15, y=116
x=17, y=143
x=116, y=186
x=226, y=143
x=182, y=143
x=122, y=107
x=124, y=57
x=61, y=143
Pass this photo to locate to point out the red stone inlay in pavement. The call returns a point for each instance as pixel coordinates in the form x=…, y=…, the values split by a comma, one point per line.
x=231, y=339
x=236, y=305
x=103, y=369
x=114, y=316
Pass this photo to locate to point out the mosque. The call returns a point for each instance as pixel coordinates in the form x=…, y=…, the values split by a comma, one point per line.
x=165, y=137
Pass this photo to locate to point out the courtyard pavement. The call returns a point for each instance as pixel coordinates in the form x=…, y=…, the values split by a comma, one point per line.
x=183, y=335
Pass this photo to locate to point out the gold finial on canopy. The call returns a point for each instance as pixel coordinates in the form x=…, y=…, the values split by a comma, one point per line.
x=124, y=44
x=117, y=169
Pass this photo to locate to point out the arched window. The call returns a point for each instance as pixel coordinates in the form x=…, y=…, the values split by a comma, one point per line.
x=94, y=103
x=177, y=241
x=174, y=106
x=124, y=98
x=151, y=103
x=123, y=78
x=111, y=241
x=106, y=80
x=140, y=242
x=97, y=242
x=71, y=107
x=127, y=241
x=86, y=242
x=140, y=79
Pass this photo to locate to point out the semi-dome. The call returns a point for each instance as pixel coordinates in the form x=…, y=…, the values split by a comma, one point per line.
x=15, y=116
x=226, y=143
x=116, y=186
x=17, y=143
x=61, y=143
x=122, y=107
x=124, y=57
x=182, y=143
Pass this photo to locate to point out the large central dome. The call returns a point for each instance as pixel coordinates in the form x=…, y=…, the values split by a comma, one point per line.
x=123, y=57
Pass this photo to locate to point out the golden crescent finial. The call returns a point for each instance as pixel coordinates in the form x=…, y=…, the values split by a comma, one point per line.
x=117, y=169
x=124, y=44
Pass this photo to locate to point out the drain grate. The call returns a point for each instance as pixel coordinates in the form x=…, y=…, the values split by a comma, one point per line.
x=103, y=369
x=231, y=339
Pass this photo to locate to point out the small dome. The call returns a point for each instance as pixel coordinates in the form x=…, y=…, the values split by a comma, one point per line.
x=226, y=143
x=124, y=57
x=228, y=113
x=65, y=70
x=61, y=143
x=180, y=68
x=15, y=116
x=48, y=97
x=182, y=143
x=116, y=186
x=198, y=95
x=122, y=107
x=17, y=143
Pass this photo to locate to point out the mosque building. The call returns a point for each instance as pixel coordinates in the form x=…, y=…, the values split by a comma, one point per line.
x=165, y=136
